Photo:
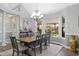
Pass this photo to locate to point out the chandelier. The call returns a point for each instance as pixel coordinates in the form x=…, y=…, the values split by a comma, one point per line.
x=37, y=14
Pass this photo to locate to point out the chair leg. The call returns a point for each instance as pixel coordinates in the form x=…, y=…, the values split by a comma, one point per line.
x=28, y=52
x=17, y=53
x=22, y=53
x=49, y=44
x=34, y=51
x=45, y=45
x=40, y=48
x=13, y=53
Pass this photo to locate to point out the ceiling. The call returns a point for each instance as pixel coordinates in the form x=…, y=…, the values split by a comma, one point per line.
x=44, y=8
x=9, y=5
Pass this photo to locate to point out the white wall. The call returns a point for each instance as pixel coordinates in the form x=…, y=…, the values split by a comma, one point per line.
x=70, y=13
x=7, y=28
x=33, y=25
x=1, y=26
x=24, y=15
x=71, y=16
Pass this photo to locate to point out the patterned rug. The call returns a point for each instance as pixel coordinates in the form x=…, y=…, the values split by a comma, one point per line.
x=53, y=50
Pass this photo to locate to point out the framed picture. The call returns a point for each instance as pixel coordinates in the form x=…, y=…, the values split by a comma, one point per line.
x=78, y=21
x=25, y=23
x=63, y=26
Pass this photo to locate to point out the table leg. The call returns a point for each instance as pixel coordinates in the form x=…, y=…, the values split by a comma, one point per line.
x=28, y=51
x=40, y=48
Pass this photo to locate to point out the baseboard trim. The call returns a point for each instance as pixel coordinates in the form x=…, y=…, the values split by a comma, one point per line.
x=3, y=44
x=65, y=46
x=60, y=44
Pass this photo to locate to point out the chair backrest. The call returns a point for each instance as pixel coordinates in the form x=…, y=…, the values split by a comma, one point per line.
x=43, y=37
x=37, y=41
x=23, y=34
x=30, y=33
x=38, y=37
x=48, y=36
x=14, y=43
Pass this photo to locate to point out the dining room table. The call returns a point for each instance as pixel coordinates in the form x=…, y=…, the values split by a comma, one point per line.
x=28, y=40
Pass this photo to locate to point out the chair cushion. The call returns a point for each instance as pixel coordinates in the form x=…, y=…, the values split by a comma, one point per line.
x=22, y=47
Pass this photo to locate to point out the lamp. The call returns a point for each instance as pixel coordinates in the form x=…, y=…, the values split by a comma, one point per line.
x=57, y=24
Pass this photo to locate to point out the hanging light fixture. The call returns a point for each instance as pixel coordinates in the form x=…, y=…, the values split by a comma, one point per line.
x=37, y=14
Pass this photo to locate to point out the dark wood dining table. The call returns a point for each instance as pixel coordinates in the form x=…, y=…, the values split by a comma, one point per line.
x=28, y=40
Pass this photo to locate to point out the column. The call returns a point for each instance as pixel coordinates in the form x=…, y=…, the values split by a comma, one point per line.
x=3, y=25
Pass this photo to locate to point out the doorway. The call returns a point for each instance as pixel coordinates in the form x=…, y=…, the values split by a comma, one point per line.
x=52, y=28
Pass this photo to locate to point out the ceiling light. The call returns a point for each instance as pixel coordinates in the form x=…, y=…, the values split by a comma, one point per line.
x=37, y=14
x=57, y=24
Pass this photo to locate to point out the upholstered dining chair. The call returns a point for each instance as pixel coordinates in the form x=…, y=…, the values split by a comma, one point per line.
x=18, y=48
x=36, y=44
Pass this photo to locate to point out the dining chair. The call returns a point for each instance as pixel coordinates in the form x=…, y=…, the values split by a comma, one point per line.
x=48, y=38
x=36, y=44
x=30, y=33
x=44, y=41
x=18, y=48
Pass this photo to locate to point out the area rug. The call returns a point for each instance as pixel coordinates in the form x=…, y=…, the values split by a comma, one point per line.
x=53, y=50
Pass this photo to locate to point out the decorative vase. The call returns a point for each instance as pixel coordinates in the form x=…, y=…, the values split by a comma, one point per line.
x=73, y=44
